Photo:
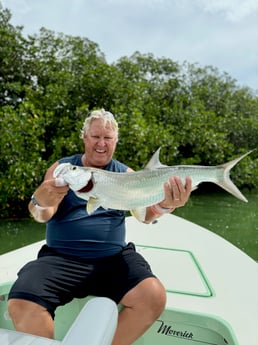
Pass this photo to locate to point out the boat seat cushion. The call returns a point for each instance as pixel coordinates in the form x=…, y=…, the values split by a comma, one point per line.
x=96, y=323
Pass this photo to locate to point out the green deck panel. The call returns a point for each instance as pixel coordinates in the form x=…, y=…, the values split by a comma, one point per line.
x=176, y=268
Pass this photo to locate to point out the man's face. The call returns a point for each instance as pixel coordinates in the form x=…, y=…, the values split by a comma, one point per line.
x=100, y=144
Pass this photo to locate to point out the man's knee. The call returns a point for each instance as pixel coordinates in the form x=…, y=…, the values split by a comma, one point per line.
x=19, y=309
x=30, y=317
x=149, y=295
x=16, y=307
x=157, y=297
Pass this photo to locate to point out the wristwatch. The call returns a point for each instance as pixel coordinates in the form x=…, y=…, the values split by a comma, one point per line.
x=36, y=204
x=34, y=200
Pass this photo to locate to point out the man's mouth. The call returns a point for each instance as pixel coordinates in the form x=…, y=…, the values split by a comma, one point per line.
x=100, y=151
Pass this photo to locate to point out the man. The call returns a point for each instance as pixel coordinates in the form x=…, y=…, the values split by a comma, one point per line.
x=87, y=255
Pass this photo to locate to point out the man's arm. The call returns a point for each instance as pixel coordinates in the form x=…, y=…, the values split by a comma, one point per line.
x=47, y=196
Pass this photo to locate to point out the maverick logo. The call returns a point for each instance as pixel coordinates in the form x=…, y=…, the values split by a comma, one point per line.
x=169, y=331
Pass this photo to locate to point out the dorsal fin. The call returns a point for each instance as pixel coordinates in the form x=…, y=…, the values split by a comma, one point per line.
x=154, y=162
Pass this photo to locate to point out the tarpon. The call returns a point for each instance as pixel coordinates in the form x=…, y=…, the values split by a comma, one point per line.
x=134, y=191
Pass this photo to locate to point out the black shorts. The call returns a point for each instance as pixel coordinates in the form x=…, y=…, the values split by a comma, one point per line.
x=53, y=280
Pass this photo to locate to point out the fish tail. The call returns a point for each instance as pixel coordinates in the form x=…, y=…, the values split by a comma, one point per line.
x=226, y=183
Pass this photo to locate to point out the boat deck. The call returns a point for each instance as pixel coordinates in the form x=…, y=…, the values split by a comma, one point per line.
x=211, y=285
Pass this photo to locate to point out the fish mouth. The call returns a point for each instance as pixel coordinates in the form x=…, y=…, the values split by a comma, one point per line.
x=86, y=188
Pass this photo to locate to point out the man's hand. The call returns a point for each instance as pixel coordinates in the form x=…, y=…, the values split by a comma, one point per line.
x=176, y=193
x=51, y=192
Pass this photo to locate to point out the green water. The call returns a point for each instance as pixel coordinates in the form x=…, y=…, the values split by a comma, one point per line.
x=232, y=219
x=217, y=211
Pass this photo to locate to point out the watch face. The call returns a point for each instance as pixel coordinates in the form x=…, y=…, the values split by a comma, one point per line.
x=34, y=201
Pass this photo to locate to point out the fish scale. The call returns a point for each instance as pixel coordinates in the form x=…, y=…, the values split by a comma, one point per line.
x=124, y=190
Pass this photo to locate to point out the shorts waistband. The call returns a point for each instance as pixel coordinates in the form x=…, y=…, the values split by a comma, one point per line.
x=49, y=251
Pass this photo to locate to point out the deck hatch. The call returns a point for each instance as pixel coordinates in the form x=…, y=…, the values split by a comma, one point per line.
x=178, y=270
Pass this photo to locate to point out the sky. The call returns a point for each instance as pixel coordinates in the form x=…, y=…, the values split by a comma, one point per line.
x=218, y=33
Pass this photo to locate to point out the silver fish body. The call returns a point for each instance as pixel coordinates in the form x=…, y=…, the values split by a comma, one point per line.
x=135, y=191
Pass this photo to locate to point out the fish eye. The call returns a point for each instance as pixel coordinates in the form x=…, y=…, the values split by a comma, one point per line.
x=73, y=168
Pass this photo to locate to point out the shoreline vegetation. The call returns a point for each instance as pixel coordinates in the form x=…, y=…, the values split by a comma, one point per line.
x=51, y=81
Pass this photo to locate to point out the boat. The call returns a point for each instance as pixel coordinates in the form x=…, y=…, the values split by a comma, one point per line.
x=211, y=290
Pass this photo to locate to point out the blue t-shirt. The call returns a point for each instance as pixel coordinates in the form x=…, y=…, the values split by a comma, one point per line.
x=72, y=231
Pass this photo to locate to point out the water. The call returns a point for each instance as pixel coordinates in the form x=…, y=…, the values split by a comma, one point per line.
x=217, y=211
x=18, y=233
x=228, y=217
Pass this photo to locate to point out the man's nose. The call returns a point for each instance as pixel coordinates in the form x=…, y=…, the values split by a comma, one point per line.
x=101, y=142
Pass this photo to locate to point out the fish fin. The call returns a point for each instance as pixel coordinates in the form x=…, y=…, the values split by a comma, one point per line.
x=154, y=162
x=226, y=182
x=92, y=205
x=139, y=213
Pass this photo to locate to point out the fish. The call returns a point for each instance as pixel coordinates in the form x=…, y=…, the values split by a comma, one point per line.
x=134, y=191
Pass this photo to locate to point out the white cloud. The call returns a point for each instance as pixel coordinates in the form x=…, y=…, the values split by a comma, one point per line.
x=232, y=10
x=221, y=33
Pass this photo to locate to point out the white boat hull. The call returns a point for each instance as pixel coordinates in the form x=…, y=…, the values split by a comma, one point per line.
x=211, y=285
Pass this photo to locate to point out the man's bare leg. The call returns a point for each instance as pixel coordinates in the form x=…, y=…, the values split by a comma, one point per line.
x=30, y=317
x=142, y=306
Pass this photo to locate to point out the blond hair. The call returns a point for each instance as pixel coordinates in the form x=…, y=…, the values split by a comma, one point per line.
x=106, y=116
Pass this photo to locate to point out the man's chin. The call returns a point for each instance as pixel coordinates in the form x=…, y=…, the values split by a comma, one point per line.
x=101, y=162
